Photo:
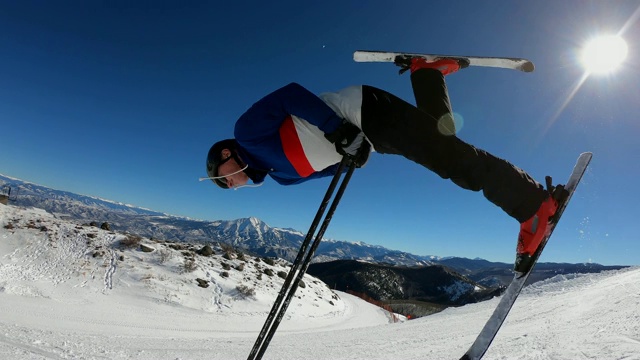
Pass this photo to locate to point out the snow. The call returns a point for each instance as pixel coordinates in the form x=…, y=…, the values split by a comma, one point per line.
x=58, y=301
x=458, y=288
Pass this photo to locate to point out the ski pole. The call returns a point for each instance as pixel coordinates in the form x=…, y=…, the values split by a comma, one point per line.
x=307, y=260
x=297, y=262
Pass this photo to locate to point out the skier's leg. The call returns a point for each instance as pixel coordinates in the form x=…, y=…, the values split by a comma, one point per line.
x=432, y=97
x=396, y=127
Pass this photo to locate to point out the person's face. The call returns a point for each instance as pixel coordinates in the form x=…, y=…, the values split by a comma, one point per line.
x=229, y=168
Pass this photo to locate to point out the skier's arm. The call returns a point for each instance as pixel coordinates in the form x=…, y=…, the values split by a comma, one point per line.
x=304, y=104
x=265, y=117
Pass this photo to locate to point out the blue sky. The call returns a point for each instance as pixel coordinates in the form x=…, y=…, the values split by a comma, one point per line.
x=122, y=100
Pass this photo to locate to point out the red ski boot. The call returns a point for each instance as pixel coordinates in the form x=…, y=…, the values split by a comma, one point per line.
x=533, y=230
x=445, y=65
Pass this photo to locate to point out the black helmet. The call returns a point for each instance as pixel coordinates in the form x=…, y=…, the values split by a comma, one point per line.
x=214, y=159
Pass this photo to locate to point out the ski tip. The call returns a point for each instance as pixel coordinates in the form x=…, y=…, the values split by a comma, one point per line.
x=584, y=159
x=527, y=67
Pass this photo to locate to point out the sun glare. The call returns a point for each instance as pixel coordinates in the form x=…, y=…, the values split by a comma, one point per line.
x=604, y=54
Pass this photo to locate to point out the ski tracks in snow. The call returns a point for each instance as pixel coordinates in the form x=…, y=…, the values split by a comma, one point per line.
x=218, y=292
x=10, y=348
x=111, y=269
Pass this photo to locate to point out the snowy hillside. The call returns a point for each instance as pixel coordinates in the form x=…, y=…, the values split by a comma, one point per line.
x=55, y=272
x=69, y=291
x=42, y=256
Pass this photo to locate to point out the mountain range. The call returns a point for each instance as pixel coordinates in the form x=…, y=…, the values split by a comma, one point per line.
x=250, y=233
x=254, y=236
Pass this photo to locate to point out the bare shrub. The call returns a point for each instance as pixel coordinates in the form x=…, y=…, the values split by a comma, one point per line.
x=269, y=261
x=282, y=274
x=164, y=255
x=245, y=292
x=226, y=248
x=188, y=266
x=177, y=246
x=129, y=241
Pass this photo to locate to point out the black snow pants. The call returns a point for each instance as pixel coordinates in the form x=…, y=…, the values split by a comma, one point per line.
x=426, y=135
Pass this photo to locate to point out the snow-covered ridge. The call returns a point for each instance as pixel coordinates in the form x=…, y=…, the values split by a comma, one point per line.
x=30, y=194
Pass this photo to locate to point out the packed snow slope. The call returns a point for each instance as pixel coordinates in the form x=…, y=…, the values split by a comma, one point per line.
x=69, y=291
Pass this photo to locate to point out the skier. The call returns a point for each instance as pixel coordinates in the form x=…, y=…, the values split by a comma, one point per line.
x=293, y=136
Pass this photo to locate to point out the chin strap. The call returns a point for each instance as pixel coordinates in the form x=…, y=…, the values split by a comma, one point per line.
x=237, y=172
x=222, y=177
x=248, y=185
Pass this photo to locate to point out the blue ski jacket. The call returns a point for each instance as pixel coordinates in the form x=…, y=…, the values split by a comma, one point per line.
x=282, y=135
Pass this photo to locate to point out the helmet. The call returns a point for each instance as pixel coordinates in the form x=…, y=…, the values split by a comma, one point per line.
x=214, y=160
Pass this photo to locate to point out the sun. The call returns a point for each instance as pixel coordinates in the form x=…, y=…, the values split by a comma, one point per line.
x=604, y=54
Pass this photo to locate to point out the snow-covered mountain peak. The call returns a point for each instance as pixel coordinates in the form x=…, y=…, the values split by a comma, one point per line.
x=253, y=223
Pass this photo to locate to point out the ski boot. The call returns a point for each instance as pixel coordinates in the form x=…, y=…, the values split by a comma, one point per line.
x=445, y=65
x=533, y=231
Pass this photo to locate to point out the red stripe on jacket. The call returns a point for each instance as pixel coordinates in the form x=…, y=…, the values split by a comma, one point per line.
x=293, y=148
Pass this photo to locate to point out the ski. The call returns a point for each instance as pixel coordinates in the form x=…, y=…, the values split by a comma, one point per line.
x=485, y=61
x=488, y=333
